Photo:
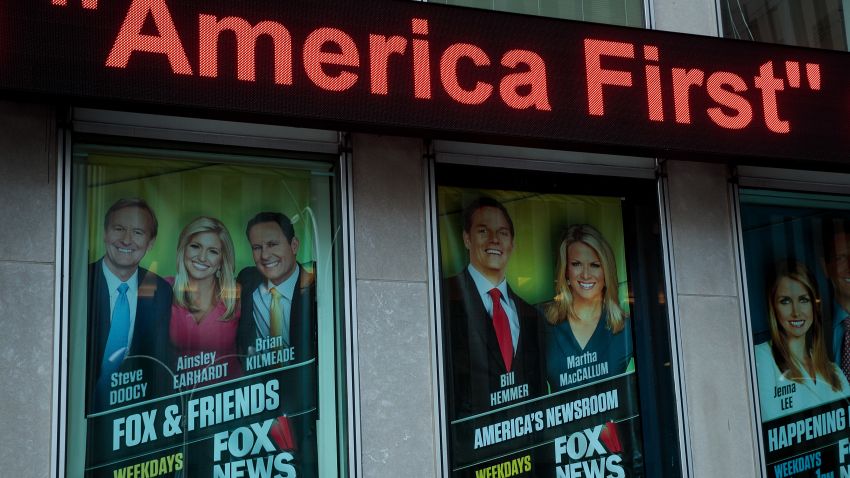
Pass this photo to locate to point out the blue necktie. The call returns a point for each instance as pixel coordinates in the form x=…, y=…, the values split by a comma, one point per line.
x=116, y=343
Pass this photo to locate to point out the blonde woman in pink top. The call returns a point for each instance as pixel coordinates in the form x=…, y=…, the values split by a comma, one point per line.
x=205, y=312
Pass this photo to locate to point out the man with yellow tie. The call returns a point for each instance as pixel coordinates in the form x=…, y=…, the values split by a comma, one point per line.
x=278, y=329
x=278, y=295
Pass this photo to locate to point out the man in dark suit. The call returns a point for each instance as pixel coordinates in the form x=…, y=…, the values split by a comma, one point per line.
x=277, y=287
x=836, y=264
x=493, y=335
x=129, y=309
x=278, y=329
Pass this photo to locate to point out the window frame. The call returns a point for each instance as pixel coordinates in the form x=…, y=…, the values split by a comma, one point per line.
x=557, y=161
x=777, y=179
x=129, y=126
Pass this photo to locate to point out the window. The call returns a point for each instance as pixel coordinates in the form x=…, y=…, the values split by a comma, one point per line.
x=616, y=12
x=205, y=323
x=813, y=23
x=555, y=345
x=796, y=248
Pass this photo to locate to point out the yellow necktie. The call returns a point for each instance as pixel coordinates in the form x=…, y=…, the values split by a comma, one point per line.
x=275, y=314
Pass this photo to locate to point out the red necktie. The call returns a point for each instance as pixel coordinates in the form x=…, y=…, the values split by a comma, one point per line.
x=503, y=329
x=845, y=349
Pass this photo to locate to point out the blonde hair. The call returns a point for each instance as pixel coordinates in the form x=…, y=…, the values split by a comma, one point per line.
x=562, y=308
x=226, y=282
x=815, y=343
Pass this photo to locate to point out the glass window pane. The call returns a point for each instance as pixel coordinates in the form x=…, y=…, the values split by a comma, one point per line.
x=615, y=12
x=797, y=257
x=202, y=296
x=486, y=4
x=554, y=335
x=516, y=6
x=569, y=9
x=813, y=23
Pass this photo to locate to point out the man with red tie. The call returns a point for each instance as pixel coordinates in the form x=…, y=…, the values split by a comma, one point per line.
x=493, y=335
x=836, y=263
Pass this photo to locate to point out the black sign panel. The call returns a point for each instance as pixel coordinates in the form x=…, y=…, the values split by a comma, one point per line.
x=425, y=69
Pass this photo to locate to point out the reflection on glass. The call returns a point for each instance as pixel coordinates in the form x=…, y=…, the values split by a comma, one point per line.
x=616, y=12
x=812, y=23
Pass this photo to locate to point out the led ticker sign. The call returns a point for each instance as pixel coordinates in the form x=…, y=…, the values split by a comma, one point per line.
x=426, y=69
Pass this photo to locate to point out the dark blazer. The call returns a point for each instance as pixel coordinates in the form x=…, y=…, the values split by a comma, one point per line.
x=302, y=336
x=474, y=359
x=150, y=332
x=302, y=315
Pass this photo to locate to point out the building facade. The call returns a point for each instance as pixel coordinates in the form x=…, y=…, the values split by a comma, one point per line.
x=386, y=223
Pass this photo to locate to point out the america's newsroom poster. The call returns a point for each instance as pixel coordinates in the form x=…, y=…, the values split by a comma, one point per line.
x=196, y=309
x=538, y=339
x=797, y=249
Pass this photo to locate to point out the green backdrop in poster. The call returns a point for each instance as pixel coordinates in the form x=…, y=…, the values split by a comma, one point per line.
x=179, y=191
x=520, y=397
x=181, y=186
x=539, y=221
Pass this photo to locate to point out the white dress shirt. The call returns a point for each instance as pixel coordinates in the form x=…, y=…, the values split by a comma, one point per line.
x=262, y=305
x=113, y=282
x=483, y=285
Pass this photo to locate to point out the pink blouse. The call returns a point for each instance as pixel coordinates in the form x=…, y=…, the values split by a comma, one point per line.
x=211, y=334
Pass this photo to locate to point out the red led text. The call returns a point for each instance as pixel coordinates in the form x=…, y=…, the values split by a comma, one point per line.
x=725, y=89
x=333, y=59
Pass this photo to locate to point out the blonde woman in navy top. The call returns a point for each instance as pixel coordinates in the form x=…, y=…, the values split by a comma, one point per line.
x=588, y=337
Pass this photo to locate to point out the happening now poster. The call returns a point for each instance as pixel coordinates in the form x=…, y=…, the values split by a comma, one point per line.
x=797, y=253
x=194, y=316
x=538, y=345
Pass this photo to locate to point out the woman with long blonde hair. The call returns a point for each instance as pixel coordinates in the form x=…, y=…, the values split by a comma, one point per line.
x=793, y=368
x=588, y=337
x=205, y=314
